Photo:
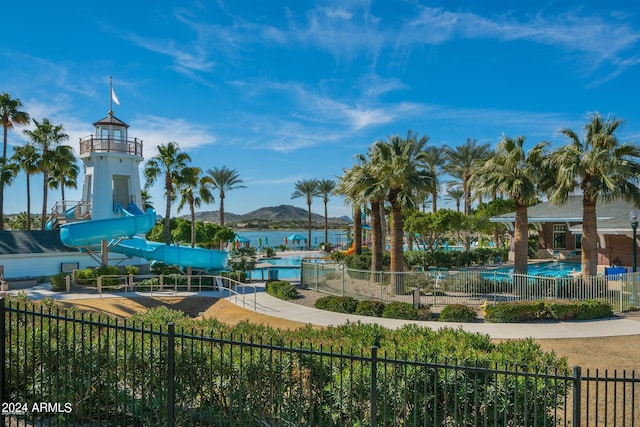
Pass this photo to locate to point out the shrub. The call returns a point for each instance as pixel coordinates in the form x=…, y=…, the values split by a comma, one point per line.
x=370, y=308
x=240, y=276
x=400, y=310
x=337, y=304
x=282, y=289
x=457, y=313
x=131, y=269
x=522, y=311
x=58, y=282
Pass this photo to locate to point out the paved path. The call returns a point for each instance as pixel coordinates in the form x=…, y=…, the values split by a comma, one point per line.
x=271, y=306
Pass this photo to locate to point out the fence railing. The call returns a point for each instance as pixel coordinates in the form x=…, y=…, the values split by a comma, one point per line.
x=442, y=287
x=60, y=368
x=242, y=293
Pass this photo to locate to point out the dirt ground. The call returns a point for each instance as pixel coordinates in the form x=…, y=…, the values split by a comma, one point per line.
x=621, y=353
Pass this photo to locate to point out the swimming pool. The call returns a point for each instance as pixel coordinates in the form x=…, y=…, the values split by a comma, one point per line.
x=283, y=267
x=547, y=268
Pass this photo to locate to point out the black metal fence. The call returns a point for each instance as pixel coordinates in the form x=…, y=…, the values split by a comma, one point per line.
x=62, y=368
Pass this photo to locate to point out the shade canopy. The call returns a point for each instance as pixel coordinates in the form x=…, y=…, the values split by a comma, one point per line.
x=296, y=238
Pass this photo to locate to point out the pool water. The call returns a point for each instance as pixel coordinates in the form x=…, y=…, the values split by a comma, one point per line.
x=287, y=267
x=549, y=269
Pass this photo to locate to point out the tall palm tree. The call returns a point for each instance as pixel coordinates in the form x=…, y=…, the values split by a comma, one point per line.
x=602, y=169
x=8, y=171
x=462, y=162
x=516, y=174
x=64, y=170
x=454, y=194
x=434, y=160
x=46, y=136
x=307, y=188
x=399, y=166
x=194, y=190
x=224, y=179
x=10, y=116
x=167, y=164
x=326, y=188
x=27, y=158
x=348, y=186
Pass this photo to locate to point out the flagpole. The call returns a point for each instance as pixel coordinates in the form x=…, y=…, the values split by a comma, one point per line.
x=110, y=95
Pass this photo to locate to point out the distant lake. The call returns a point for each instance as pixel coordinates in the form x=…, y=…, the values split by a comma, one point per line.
x=275, y=238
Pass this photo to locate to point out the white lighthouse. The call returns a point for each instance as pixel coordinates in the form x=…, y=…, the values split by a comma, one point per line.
x=111, y=169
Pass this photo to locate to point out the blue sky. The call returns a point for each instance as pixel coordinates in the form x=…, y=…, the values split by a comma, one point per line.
x=290, y=90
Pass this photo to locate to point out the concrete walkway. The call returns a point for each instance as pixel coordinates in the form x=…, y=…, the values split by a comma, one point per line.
x=271, y=306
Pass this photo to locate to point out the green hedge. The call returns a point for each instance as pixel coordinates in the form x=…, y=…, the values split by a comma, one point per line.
x=406, y=311
x=457, y=313
x=370, y=308
x=523, y=311
x=282, y=289
x=337, y=304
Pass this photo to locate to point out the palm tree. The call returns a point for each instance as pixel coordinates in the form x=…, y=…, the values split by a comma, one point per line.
x=326, y=188
x=167, y=164
x=462, y=162
x=27, y=158
x=224, y=179
x=307, y=188
x=194, y=190
x=399, y=167
x=8, y=171
x=146, y=200
x=454, y=194
x=46, y=136
x=10, y=116
x=64, y=170
x=516, y=174
x=361, y=182
x=434, y=160
x=602, y=169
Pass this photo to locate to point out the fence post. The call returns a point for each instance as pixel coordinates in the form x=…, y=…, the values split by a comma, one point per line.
x=2, y=356
x=99, y=285
x=171, y=330
x=577, y=395
x=373, y=399
x=67, y=282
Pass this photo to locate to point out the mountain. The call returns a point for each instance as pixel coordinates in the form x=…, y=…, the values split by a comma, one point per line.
x=273, y=214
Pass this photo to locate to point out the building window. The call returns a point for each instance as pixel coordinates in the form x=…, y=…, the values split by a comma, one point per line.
x=559, y=236
x=578, y=241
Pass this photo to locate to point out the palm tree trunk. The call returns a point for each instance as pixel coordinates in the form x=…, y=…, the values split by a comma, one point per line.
x=167, y=218
x=357, y=230
x=28, y=202
x=326, y=223
x=193, y=224
x=434, y=207
x=309, y=225
x=521, y=237
x=221, y=210
x=376, y=241
x=45, y=190
x=397, y=243
x=589, y=238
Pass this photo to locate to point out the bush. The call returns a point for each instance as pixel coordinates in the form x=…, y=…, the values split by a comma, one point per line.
x=58, y=282
x=521, y=311
x=400, y=310
x=457, y=313
x=337, y=304
x=370, y=308
x=282, y=289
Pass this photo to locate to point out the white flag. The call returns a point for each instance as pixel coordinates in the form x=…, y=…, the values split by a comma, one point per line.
x=114, y=97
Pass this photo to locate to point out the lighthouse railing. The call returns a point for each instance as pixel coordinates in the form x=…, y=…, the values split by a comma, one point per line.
x=91, y=144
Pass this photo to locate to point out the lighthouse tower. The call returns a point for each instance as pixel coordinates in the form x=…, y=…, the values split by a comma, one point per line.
x=111, y=170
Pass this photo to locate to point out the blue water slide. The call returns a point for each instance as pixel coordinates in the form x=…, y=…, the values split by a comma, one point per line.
x=92, y=232
x=133, y=222
x=184, y=256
